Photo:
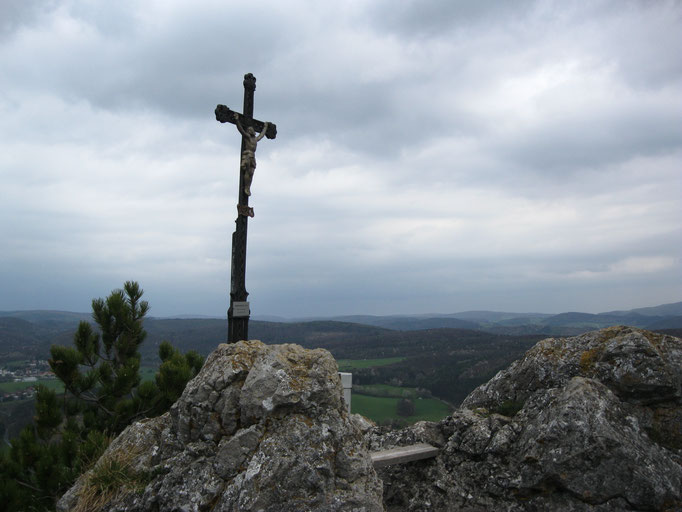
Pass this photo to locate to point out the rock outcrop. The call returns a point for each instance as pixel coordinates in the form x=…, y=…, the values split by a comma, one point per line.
x=261, y=428
x=592, y=422
x=589, y=423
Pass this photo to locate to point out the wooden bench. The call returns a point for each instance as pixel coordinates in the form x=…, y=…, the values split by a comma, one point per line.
x=403, y=454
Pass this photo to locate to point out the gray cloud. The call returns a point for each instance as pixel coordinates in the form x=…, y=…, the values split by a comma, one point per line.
x=431, y=156
x=433, y=18
x=589, y=139
x=17, y=14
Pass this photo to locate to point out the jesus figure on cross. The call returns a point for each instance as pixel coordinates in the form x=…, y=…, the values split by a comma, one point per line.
x=248, y=159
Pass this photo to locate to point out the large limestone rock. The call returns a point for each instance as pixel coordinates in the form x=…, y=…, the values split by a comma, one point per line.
x=587, y=423
x=261, y=428
x=640, y=367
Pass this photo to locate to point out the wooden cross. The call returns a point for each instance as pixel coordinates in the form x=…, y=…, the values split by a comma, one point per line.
x=238, y=314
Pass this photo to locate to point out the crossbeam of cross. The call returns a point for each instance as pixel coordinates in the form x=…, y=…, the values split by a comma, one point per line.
x=226, y=115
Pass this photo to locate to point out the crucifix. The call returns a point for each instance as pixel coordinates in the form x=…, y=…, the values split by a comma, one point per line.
x=252, y=131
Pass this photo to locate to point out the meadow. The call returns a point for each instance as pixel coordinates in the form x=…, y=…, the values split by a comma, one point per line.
x=379, y=402
x=13, y=387
x=348, y=365
x=382, y=409
x=146, y=373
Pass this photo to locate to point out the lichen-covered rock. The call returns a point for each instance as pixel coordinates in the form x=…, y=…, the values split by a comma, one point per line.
x=639, y=366
x=590, y=423
x=261, y=428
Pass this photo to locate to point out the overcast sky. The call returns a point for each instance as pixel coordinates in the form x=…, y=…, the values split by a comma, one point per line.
x=431, y=156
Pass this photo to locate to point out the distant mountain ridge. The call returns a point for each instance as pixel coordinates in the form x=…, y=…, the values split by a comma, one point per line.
x=446, y=354
x=665, y=316
x=32, y=332
x=472, y=317
x=672, y=309
x=46, y=316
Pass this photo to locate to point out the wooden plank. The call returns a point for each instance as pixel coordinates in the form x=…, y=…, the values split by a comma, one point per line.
x=403, y=454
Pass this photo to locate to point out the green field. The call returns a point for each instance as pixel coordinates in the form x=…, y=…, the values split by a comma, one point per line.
x=381, y=409
x=12, y=387
x=386, y=391
x=352, y=364
x=146, y=372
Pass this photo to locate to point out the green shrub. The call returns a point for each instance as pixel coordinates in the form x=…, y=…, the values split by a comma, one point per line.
x=507, y=408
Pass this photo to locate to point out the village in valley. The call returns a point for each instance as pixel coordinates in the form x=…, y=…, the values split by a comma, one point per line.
x=19, y=382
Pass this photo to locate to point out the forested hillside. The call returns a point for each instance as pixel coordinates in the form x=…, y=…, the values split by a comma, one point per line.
x=447, y=361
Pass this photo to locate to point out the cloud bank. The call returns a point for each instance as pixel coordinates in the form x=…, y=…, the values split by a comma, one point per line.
x=431, y=156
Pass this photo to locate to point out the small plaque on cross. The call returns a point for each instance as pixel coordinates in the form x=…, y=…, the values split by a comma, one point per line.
x=240, y=309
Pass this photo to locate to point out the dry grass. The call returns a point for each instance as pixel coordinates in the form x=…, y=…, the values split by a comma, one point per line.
x=111, y=478
x=588, y=360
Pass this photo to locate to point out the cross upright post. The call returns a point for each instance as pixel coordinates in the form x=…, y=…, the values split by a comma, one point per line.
x=239, y=311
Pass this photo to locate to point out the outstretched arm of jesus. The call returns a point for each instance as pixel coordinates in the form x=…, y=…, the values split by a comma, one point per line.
x=262, y=134
x=239, y=125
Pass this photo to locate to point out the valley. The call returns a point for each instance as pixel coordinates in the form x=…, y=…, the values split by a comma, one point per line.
x=435, y=362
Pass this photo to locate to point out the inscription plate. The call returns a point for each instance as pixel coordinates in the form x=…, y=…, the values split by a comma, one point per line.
x=240, y=309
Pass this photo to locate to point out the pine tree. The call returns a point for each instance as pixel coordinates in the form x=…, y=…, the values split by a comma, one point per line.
x=103, y=394
x=175, y=371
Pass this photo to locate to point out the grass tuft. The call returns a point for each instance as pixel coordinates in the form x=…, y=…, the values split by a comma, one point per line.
x=507, y=408
x=111, y=478
x=588, y=359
